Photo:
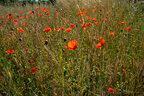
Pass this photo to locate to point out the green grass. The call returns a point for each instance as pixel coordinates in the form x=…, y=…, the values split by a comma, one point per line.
x=85, y=71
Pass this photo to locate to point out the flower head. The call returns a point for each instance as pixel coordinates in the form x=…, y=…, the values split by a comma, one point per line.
x=62, y=28
x=1, y=27
x=24, y=24
x=99, y=45
x=31, y=12
x=94, y=19
x=72, y=45
x=10, y=51
x=129, y=29
x=34, y=69
x=100, y=39
x=57, y=14
x=97, y=23
x=43, y=9
x=68, y=30
x=20, y=30
x=72, y=25
x=47, y=30
x=111, y=90
x=94, y=10
x=112, y=33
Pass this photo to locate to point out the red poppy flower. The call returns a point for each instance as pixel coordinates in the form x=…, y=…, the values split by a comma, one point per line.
x=34, y=69
x=46, y=10
x=112, y=33
x=99, y=45
x=4, y=21
x=57, y=14
x=43, y=9
x=94, y=19
x=37, y=7
x=94, y=10
x=100, y=38
x=102, y=42
x=72, y=45
x=37, y=13
x=88, y=18
x=89, y=24
x=24, y=24
x=1, y=27
x=72, y=25
x=129, y=29
x=81, y=20
x=68, y=30
x=97, y=23
x=26, y=49
x=20, y=30
x=41, y=14
x=1, y=18
x=79, y=13
x=83, y=13
x=62, y=28
x=24, y=17
x=111, y=90
x=10, y=51
x=104, y=19
x=31, y=12
x=83, y=25
x=7, y=15
x=15, y=20
x=47, y=30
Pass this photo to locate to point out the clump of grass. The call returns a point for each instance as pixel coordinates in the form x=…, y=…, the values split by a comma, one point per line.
x=42, y=65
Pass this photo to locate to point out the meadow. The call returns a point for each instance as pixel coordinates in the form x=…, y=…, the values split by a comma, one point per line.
x=72, y=48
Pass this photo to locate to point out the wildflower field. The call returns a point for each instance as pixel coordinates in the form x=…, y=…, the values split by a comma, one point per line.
x=72, y=49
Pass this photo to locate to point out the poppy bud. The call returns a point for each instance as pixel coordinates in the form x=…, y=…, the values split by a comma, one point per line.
x=11, y=33
x=65, y=40
x=20, y=39
x=46, y=42
x=9, y=14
